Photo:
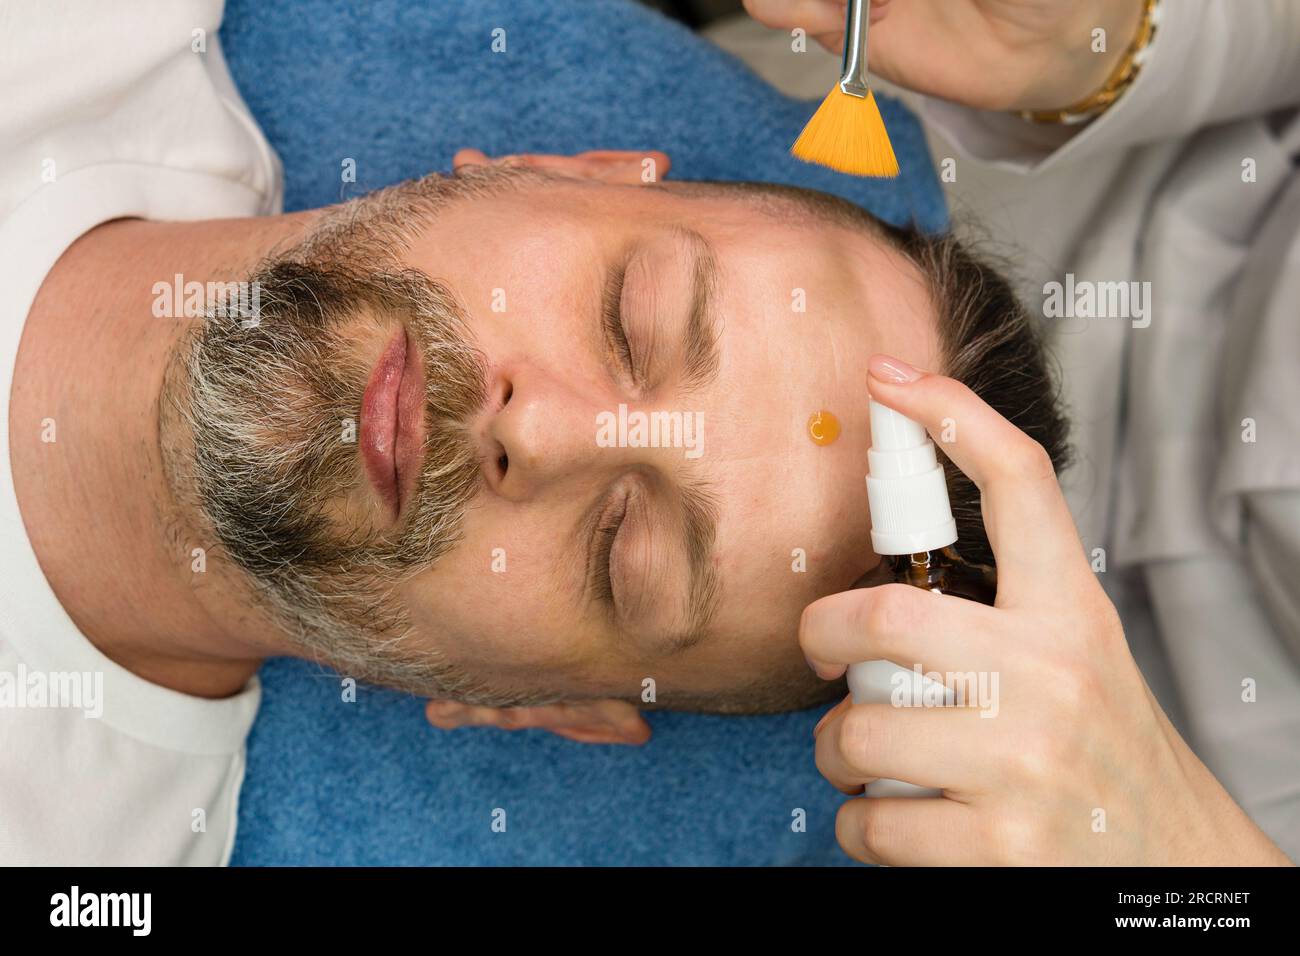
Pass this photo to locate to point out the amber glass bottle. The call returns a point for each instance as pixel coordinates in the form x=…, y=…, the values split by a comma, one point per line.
x=913, y=531
x=943, y=570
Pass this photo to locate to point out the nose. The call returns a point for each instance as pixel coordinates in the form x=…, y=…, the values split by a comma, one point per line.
x=539, y=430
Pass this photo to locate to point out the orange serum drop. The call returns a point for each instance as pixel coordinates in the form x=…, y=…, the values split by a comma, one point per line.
x=823, y=428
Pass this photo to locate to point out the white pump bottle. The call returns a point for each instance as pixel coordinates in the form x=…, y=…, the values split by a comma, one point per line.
x=913, y=531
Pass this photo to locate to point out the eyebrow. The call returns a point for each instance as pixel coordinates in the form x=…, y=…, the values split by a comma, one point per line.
x=699, y=532
x=703, y=324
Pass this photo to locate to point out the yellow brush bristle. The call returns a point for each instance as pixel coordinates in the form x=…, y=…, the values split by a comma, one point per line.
x=847, y=133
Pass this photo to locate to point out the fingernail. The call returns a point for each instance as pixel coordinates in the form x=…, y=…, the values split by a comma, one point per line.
x=891, y=370
x=823, y=673
x=822, y=722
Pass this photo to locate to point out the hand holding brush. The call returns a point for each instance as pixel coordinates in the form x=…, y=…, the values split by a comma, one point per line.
x=1004, y=55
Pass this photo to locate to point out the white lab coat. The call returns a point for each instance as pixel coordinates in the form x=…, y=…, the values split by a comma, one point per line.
x=1188, y=430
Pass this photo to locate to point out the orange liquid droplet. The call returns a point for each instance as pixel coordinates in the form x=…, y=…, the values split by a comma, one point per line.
x=823, y=428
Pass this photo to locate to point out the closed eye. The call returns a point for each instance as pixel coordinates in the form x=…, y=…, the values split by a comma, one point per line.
x=612, y=320
x=602, y=551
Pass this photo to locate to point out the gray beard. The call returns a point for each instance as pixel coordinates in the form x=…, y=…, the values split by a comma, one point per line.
x=266, y=410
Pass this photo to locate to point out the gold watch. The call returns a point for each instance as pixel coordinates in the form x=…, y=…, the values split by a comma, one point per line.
x=1120, y=79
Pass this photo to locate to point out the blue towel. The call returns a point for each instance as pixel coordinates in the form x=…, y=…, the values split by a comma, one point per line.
x=399, y=87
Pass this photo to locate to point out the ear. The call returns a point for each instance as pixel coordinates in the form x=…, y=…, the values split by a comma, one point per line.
x=586, y=721
x=623, y=166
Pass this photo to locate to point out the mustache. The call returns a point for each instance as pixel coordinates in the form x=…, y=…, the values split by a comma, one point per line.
x=268, y=410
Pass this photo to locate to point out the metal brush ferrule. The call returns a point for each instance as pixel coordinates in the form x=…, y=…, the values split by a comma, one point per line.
x=853, y=75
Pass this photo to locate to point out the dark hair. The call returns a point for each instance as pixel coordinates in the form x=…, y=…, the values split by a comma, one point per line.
x=988, y=341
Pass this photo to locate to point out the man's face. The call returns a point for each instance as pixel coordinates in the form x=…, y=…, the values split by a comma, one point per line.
x=617, y=425
x=590, y=562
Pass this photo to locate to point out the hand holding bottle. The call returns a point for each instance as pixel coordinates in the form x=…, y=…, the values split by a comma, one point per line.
x=989, y=54
x=1077, y=763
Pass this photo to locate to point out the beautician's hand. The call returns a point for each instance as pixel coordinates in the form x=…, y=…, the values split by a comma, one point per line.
x=1078, y=740
x=585, y=721
x=990, y=54
x=602, y=165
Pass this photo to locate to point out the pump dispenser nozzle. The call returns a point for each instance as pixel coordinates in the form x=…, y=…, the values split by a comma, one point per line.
x=905, y=487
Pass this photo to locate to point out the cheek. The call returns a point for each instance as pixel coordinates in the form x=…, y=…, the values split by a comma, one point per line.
x=495, y=601
x=530, y=293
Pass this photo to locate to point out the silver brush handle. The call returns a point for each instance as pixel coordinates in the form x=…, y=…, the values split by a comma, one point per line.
x=853, y=75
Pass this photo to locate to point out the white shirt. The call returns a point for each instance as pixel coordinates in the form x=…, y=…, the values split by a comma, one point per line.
x=1187, y=430
x=108, y=111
